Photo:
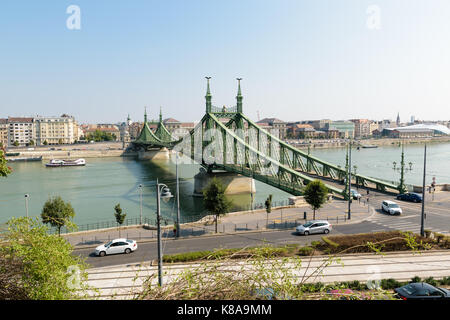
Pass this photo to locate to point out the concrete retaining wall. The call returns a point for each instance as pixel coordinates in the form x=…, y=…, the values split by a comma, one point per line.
x=439, y=187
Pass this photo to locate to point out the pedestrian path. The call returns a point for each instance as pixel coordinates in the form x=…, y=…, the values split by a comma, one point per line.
x=403, y=223
x=124, y=281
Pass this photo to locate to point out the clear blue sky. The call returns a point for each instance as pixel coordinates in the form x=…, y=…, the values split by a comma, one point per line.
x=299, y=59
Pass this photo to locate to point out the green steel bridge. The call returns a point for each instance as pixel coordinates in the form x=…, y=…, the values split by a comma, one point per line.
x=226, y=139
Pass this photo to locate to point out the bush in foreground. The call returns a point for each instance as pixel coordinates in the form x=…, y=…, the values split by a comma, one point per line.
x=44, y=267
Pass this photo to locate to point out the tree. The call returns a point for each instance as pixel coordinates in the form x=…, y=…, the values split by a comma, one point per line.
x=4, y=169
x=16, y=143
x=58, y=213
x=268, y=205
x=31, y=143
x=60, y=141
x=45, y=143
x=120, y=217
x=315, y=194
x=37, y=265
x=215, y=200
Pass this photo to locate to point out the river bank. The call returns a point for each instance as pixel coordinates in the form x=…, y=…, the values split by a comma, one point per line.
x=329, y=144
x=73, y=151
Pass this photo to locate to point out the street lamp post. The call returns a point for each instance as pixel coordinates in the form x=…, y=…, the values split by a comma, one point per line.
x=140, y=194
x=178, y=199
x=402, y=188
x=162, y=191
x=422, y=217
x=26, y=202
x=349, y=179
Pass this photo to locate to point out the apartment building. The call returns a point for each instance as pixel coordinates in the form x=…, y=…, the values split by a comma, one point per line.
x=21, y=131
x=362, y=127
x=4, y=132
x=55, y=130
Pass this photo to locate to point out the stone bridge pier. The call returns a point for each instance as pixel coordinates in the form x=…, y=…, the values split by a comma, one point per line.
x=154, y=154
x=234, y=183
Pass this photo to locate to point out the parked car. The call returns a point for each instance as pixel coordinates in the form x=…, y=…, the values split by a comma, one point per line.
x=410, y=196
x=116, y=246
x=355, y=194
x=314, y=226
x=391, y=207
x=421, y=291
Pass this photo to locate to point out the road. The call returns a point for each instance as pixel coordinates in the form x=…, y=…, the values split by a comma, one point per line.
x=438, y=220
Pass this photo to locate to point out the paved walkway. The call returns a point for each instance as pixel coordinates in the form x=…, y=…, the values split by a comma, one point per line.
x=280, y=218
x=122, y=281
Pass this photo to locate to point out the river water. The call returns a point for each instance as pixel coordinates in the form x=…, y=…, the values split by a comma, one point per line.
x=95, y=189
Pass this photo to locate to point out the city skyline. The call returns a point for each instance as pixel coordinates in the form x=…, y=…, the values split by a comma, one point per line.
x=305, y=60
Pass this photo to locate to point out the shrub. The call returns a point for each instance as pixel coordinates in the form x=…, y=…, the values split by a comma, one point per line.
x=305, y=251
x=431, y=280
x=416, y=279
x=388, y=284
x=383, y=241
x=445, y=281
x=438, y=237
x=315, y=244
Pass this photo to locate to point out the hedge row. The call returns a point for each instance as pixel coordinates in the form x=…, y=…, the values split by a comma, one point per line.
x=385, y=284
x=359, y=243
x=267, y=251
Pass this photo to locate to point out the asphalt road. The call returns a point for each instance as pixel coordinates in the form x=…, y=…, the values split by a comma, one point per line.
x=437, y=219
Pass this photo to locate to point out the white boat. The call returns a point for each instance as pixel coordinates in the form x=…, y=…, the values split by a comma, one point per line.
x=65, y=163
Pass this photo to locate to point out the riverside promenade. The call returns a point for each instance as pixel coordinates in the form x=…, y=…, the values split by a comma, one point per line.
x=280, y=218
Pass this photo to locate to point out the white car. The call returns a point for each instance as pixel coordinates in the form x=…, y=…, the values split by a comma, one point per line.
x=314, y=226
x=391, y=207
x=116, y=246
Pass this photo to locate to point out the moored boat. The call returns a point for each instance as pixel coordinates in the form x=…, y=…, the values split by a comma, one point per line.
x=366, y=146
x=65, y=163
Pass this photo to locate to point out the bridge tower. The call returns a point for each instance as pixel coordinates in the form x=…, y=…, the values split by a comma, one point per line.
x=208, y=97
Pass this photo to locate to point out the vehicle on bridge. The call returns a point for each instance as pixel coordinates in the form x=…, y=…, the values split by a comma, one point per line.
x=313, y=227
x=410, y=196
x=391, y=207
x=116, y=246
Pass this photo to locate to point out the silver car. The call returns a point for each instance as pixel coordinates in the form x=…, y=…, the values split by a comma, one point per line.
x=391, y=207
x=116, y=246
x=315, y=226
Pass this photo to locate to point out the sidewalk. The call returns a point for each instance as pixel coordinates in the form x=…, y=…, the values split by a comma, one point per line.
x=256, y=220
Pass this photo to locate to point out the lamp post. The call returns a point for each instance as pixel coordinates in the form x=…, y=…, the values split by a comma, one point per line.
x=140, y=194
x=178, y=199
x=422, y=216
x=162, y=192
x=403, y=170
x=26, y=202
x=349, y=179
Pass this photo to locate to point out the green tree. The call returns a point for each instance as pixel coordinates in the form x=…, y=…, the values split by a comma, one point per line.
x=45, y=143
x=215, y=200
x=58, y=213
x=45, y=266
x=120, y=217
x=31, y=143
x=16, y=143
x=268, y=205
x=315, y=194
x=4, y=169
